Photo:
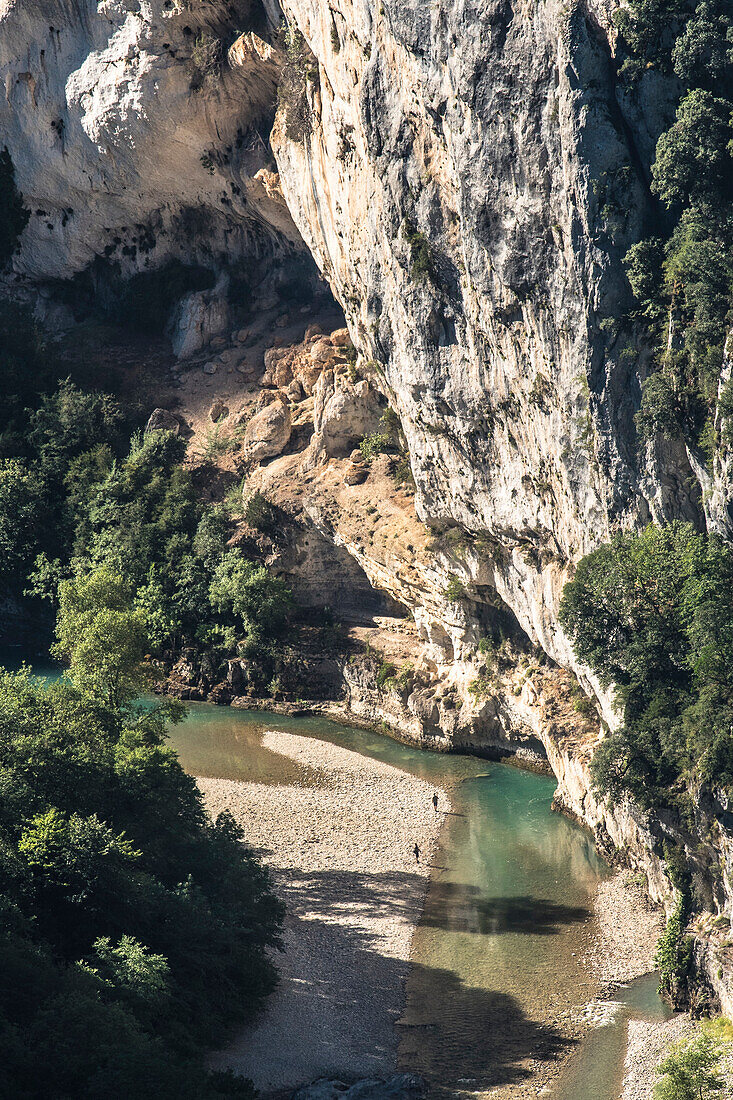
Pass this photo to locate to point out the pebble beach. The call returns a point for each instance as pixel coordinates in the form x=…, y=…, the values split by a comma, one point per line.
x=341, y=854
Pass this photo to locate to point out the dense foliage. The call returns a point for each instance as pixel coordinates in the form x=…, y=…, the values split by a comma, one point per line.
x=692, y=1068
x=75, y=495
x=134, y=930
x=683, y=276
x=653, y=614
x=13, y=215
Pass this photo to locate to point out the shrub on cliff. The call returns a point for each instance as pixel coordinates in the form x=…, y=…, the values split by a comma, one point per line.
x=652, y=613
x=300, y=68
x=682, y=278
x=13, y=215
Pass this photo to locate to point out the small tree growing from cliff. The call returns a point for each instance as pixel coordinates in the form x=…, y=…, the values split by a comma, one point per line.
x=299, y=69
x=652, y=613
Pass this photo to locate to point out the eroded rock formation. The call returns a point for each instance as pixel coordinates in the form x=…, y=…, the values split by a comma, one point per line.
x=138, y=132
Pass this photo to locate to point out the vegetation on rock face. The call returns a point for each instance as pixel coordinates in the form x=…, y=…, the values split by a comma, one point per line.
x=683, y=278
x=652, y=613
x=75, y=496
x=299, y=69
x=134, y=930
x=13, y=215
x=673, y=956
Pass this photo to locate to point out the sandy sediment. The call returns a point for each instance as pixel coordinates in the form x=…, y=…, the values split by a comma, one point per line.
x=341, y=852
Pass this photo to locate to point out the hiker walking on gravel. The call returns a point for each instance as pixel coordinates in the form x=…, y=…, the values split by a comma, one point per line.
x=416, y=850
x=435, y=802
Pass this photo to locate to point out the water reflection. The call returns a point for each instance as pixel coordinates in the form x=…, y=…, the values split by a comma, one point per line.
x=461, y=907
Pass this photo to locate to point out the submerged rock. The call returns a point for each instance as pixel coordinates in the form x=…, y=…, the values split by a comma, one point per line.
x=401, y=1086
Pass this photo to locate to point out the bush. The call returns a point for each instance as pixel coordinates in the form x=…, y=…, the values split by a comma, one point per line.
x=206, y=59
x=421, y=253
x=299, y=69
x=455, y=590
x=372, y=445
x=13, y=215
x=660, y=412
x=673, y=954
x=691, y=1069
x=259, y=513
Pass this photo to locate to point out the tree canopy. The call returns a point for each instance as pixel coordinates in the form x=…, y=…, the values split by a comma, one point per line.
x=652, y=613
x=134, y=930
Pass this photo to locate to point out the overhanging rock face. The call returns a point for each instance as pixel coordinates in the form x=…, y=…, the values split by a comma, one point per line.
x=136, y=133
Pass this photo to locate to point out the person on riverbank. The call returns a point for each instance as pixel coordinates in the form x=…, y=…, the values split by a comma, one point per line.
x=416, y=850
x=435, y=802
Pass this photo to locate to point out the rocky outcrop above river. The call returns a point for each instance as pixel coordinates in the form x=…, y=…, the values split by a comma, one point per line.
x=471, y=217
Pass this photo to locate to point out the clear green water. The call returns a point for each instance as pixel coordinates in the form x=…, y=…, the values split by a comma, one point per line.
x=499, y=957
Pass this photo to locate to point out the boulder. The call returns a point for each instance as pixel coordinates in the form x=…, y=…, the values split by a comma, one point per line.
x=344, y=413
x=212, y=367
x=278, y=366
x=162, y=420
x=311, y=331
x=268, y=432
x=197, y=319
x=356, y=473
x=266, y=397
x=307, y=372
x=294, y=390
x=218, y=411
x=230, y=356
x=322, y=351
x=340, y=338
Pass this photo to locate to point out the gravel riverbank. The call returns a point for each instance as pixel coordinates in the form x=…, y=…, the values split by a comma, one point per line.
x=628, y=928
x=341, y=852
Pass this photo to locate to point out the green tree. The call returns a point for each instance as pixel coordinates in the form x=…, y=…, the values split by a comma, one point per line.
x=22, y=519
x=691, y=1069
x=103, y=638
x=652, y=613
x=258, y=600
x=13, y=215
x=702, y=55
x=693, y=161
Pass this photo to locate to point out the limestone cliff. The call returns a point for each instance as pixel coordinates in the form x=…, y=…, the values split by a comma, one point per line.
x=138, y=132
x=469, y=183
